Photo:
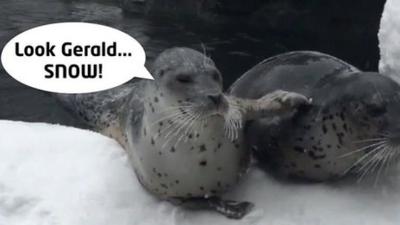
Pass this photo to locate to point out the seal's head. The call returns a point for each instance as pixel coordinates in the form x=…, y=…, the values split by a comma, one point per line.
x=372, y=102
x=190, y=80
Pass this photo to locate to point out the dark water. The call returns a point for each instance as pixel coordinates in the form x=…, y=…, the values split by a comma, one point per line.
x=233, y=47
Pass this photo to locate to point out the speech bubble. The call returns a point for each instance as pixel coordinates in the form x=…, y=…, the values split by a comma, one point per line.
x=74, y=57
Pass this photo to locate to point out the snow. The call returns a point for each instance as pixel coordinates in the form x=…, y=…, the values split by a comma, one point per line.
x=389, y=40
x=51, y=174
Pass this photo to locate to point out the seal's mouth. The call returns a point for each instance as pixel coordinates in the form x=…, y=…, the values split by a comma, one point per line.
x=219, y=107
x=188, y=118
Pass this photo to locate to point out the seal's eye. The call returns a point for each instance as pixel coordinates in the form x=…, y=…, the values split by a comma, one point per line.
x=184, y=78
x=376, y=110
x=215, y=76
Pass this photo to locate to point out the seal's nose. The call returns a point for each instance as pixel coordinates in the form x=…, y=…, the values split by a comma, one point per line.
x=215, y=98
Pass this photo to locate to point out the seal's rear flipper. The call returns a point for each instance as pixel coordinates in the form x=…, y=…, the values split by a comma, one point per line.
x=231, y=209
x=228, y=208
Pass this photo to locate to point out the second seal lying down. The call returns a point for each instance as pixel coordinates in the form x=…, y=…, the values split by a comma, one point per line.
x=182, y=134
x=352, y=127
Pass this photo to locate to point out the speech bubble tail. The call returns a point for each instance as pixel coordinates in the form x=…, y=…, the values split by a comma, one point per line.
x=144, y=73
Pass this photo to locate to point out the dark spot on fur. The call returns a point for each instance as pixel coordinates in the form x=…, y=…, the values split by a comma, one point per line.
x=345, y=127
x=219, y=145
x=152, y=141
x=164, y=186
x=315, y=156
x=159, y=174
x=155, y=99
x=219, y=169
x=317, y=166
x=177, y=181
x=172, y=149
x=340, y=137
x=201, y=188
x=203, y=148
x=334, y=126
x=161, y=73
x=203, y=163
x=299, y=149
x=161, y=123
x=342, y=115
x=324, y=129
x=190, y=136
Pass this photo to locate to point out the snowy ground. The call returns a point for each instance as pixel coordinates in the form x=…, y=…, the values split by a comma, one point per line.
x=389, y=40
x=50, y=174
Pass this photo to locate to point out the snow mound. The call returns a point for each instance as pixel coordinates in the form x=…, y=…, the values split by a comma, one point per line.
x=50, y=174
x=389, y=40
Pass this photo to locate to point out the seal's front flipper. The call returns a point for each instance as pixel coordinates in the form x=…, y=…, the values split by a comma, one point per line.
x=228, y=208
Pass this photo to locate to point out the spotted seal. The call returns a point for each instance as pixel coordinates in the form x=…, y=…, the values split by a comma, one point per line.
x=352, y=126
x=182, y=134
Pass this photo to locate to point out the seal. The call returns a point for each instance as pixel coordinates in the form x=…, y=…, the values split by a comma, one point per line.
x=183, y=136
x=352, y=127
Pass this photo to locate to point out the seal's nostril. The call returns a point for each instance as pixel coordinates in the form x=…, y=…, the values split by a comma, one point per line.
x=216, y=99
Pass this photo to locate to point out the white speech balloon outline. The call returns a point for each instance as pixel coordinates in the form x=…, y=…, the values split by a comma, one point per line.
x=80, y=85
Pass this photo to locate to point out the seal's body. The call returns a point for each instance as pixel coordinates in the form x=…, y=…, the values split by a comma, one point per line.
x=174, y=133
x=350, y=127
x=181, y=156
x=182, y=134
